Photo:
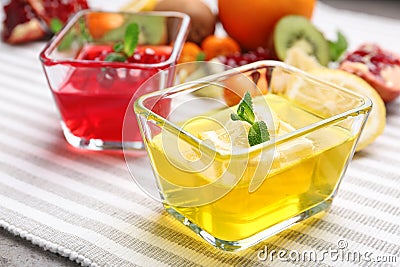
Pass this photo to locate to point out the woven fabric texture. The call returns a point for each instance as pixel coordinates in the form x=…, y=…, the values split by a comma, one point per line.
x=85, y=206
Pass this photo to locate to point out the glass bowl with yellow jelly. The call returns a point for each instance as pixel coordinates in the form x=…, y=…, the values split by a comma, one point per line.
x=230, y=191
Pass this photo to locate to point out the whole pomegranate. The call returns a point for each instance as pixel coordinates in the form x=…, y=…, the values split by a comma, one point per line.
x=251, y=23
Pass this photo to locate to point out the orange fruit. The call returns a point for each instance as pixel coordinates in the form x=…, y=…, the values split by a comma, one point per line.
x=190, y=52
x=99, y=23
x=251, y=23
x=214, y=46
x=236, y=86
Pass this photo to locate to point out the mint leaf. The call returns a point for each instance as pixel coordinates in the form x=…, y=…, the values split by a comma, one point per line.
x=115, y=57
x=126, y=49
x=84, y=35
x=258, y=133
x=338, y=47
x=245, y=109
x=131, y=38
x=55, y=25
x=201, y=56
x=247, y=99
x=235, y=117
x=118, y=47
x=67, y=41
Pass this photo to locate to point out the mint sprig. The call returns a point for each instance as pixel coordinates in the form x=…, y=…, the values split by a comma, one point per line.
x=55, y=25
x=126, y=49
x=338, y=47
x=115, y=57
x=131, y=38
x=118, y=47
x=258, y=132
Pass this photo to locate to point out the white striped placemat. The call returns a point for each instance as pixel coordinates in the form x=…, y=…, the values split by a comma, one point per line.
x=86, y=207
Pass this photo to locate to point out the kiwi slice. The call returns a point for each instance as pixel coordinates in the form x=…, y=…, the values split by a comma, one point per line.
x=294, y=30
x=153, y=30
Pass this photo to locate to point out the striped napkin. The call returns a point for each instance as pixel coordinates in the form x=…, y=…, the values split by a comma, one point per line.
x=86, y=207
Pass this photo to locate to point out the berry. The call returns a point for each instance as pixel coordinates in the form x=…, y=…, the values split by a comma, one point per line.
x=239, y=59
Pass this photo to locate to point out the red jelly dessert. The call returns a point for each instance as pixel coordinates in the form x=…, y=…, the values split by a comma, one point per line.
x=93, y=100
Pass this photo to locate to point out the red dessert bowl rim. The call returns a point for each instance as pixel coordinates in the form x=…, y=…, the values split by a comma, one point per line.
x=47, y=60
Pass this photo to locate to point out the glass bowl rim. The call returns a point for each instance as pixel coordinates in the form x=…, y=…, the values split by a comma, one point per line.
x=139, y=108
x=53, y=43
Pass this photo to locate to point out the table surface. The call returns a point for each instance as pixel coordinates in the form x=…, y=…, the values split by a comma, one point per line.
x=18, y=252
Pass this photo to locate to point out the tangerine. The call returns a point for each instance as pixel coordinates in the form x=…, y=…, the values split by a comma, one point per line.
x=236, y=86
x=190, y=52
x=214, y=46
x=251, y=23
x=99, y=23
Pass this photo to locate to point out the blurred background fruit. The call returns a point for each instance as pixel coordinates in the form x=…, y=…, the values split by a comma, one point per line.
x=298, y=58
x=100, y=23
x=377, y=118
x=251, y=23
x=252, y=83
x=202, y=19
x=214, y=46
x=29, y=20
x=379, y=67
x=21, y=24
x=298, y=31
x=139, y=5
x=240, y=59
x=62, y=10
x=190, y=52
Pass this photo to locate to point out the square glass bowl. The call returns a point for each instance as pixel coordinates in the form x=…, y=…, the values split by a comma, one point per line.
x=92, y=95
x=234, y=195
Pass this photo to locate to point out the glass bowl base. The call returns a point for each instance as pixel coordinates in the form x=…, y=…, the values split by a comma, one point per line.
x=100, y=145
x=238, y=245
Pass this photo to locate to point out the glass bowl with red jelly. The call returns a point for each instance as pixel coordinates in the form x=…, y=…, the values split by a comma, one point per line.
x=93, y=94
